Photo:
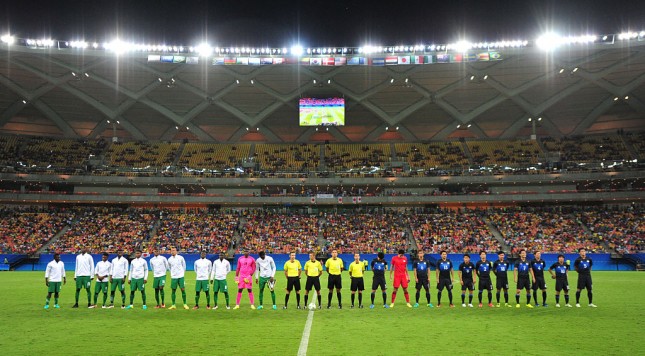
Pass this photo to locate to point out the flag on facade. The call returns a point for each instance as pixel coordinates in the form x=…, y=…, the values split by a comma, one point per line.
x=192, y=60
x=340, y=61
x=340, y=200
x=328, y=61
x=254, y=61
x=154, y=58
x=315, y=61
x=266, y=61
x=313, y=200
x=483, y=56
x=355, y=61
x=218, y=61
x=229, y=61
x=378, y=61
x=404, y=60
x=278, y=60
x=389, y=61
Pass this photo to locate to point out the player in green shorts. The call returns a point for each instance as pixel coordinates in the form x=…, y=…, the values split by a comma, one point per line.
x=102, y=272
x=118, y=273
x=264, y=275
x=177, y=266
x=138, y=278
x=54, y=273
x=83, y=274
x=221, y=267
x=159, y=266
x=203, y=267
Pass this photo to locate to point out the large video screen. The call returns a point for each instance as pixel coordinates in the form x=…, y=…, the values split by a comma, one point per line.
x=322, y=112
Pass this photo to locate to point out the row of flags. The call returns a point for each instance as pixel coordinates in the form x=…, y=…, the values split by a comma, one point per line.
x=338, y=61
x=355, y=200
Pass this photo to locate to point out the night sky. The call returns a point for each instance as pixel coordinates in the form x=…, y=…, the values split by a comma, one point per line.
x=315, y=23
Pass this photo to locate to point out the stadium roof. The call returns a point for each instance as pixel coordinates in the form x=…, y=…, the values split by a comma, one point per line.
x=574, y=90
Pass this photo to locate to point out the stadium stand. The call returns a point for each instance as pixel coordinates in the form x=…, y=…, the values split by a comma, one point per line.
x=25, y=230
x=429, y=155
x=279, y=233
x=363, y=233
x=622, y=229
x=350, y=156
x=512, y=153
x=139, y=154
x=213, y=156
x=453, y=231
x=289, y=158
x=193, y=232
x=588, y=148
x=543, y=229
x=107, y=230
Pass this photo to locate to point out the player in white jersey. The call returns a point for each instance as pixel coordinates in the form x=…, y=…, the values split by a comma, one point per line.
x=265, y=275
x=159, y=266
x=221, y=267
x=177, y=271
x=203, y=267
x=118, y=273
x=54, y=274
x=138, y=278
x=83, y=274
x=102, y=274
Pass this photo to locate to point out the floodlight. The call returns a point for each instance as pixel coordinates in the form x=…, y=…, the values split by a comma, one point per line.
x=8, y=39
x=204, y=49
x=296, y=50
x=548, y=41
x=462, y=46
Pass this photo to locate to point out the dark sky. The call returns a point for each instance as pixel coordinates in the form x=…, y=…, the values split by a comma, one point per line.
x=314, y=23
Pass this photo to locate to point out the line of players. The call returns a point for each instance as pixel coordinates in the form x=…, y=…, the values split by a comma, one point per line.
x=114, y=273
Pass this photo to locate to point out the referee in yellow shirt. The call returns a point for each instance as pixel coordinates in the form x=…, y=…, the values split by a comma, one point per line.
x=356, y=271
x=313, y=270
x=334, y=267
x=292, y=270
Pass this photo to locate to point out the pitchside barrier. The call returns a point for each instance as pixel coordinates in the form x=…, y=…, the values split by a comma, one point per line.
x=602, y=261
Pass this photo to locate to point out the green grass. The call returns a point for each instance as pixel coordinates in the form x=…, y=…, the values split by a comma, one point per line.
x=615, y=327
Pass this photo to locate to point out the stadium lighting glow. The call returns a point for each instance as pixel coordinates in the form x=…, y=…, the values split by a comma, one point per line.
x=626, y=97
x=204, y=49
x=118, y=47
x=8, y=39
x=296, y=50
x=461, y=46
x=548, y=41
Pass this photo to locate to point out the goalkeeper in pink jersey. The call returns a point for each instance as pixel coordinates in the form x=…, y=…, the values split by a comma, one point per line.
x=244, y=278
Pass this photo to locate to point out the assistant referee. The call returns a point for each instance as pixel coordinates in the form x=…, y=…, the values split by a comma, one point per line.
x=334, y=267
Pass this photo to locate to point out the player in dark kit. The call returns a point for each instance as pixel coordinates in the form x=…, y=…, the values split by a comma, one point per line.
x=522, y=276
x=422, y=278
x=379, y=266
x=483, y=269
x=500, y=268
x=444, y=278
x=466, y=280
x=583, y=266
x=538, y=266
x=561, y=281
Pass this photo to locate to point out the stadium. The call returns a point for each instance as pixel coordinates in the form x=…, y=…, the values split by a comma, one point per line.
x=462, y=147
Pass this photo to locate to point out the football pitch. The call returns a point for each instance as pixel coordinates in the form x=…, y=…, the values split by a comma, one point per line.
x=615, y=327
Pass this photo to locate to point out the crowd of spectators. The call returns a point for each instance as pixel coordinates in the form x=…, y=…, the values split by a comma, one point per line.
x=24, y=230
x=196, y=231
x=365, y=233
x=453, y=231
x=107, y=230
x=622, y=229
x=279, y=233
x=543, y=229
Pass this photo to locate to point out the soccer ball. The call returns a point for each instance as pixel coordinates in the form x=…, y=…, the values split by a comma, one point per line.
x=312, y=306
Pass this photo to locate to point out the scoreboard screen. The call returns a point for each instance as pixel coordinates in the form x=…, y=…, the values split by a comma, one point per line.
x=322, y=112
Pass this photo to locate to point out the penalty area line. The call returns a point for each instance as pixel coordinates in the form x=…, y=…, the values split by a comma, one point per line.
x=304, y=341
